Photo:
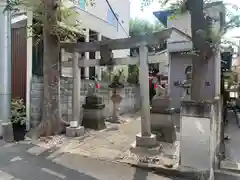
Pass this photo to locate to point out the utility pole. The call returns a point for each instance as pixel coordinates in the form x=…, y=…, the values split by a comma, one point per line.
x=6, y=130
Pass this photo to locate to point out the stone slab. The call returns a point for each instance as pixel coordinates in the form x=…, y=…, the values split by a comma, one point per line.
x=195, y=142
x=75, y=132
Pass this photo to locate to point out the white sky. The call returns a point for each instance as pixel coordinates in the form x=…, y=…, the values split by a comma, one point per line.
x=147, y=14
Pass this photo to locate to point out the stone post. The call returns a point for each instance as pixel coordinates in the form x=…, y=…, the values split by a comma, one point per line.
x=98, y=56
x=74, y=129
x=145, y=138
x=86, y=69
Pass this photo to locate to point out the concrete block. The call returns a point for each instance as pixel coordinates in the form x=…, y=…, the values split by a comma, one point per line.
x=75, y=132
x=146, y=141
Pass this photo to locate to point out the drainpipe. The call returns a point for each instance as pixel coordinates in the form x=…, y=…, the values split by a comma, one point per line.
x=5, y=74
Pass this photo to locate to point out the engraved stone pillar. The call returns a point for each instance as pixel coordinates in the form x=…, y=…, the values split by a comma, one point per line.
x=197, y=125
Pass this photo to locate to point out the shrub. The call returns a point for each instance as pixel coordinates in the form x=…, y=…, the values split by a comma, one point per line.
x=18, y=111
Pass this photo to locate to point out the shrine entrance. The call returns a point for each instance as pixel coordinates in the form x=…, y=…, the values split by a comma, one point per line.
x=71, y=53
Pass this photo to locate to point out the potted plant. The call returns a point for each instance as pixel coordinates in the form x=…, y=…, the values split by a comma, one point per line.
x=18, y=118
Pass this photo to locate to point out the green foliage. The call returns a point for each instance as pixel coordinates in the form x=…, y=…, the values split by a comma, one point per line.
x=18, y=111
x=64, y=30
x=180, y=6
x=133, y=74
x=113, y=76
x=106, y=76
x=140, y=27
x=117, y=76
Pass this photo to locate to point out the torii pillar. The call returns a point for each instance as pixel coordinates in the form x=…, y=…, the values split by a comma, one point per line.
x=145, y=138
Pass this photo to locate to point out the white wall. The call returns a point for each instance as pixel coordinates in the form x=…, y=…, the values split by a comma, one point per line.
x=181, y=22
x=95, y=17
x=178, y=63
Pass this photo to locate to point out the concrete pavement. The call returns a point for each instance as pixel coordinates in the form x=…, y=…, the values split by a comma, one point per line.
x=226, y=175
x=16, y=163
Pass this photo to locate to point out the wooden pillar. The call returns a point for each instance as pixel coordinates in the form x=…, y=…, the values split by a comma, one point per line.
x=76, y=91
x=145, y=138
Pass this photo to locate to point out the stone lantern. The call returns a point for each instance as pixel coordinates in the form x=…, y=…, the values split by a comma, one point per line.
x=116, y=88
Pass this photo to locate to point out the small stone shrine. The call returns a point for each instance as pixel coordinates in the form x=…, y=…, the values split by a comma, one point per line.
x=93, y=116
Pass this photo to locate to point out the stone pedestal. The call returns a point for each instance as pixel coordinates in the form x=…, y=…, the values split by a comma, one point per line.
x=93, y=116
x=146, y=141
x=75, y=131
x=159, y=103
x=196, y=121
x=163, y=126
x=162, y=119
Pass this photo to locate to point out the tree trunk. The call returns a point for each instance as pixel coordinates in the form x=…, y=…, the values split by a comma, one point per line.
x=198, y=22
x=51, y=119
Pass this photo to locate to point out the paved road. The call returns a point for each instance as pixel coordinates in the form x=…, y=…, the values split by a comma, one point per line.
x=17, y=164
x=227, y=176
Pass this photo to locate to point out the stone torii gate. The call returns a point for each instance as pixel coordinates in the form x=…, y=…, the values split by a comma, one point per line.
x=145, y=138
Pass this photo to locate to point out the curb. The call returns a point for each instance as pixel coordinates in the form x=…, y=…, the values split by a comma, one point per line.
x=230, y=166
x=161, y=170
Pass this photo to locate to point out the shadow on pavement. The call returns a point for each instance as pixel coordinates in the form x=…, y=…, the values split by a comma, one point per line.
x=16, y=162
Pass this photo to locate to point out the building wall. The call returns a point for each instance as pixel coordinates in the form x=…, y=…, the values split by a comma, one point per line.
x=99, y=18
x=178, y=64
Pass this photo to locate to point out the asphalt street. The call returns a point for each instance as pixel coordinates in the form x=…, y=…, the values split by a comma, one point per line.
x=227, y=176
x=17, y=164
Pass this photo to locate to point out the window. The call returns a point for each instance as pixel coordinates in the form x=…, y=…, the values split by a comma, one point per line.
x=81, y=4
x=111, y=19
